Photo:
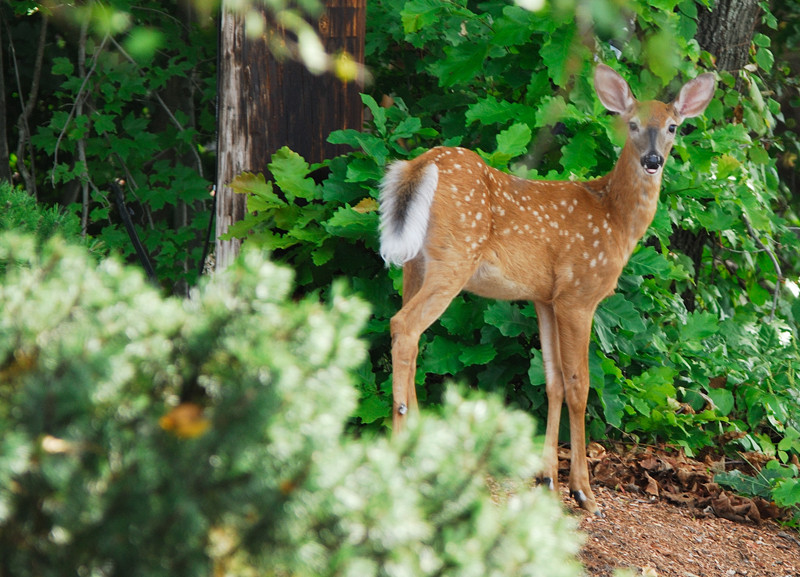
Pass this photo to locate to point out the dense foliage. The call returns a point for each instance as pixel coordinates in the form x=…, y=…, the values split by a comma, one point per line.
x=699, y=345
x=126, y=91
x=148, y=436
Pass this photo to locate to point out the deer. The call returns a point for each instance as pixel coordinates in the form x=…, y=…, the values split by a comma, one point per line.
x=453, y=224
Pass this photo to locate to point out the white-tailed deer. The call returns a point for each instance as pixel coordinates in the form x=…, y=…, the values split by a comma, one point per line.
x=456, y=224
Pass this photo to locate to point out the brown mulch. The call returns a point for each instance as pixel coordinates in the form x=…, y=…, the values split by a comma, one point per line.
x=664, y=516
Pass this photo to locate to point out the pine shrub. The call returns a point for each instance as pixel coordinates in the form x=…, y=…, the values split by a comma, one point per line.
x=143, y=435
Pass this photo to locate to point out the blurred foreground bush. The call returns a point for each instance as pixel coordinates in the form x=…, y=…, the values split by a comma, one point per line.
x=148, y=436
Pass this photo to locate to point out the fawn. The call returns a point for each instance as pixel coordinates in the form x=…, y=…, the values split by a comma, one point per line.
x=453, y=223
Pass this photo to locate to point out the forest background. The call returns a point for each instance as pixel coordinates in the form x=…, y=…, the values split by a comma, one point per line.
x=698, y=348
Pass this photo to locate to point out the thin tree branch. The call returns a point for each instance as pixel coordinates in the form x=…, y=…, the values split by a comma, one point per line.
x=81, y=144
x=78, y=98
x=27, y=108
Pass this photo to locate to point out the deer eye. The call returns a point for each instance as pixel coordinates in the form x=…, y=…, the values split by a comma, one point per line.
x=672, y=128
x=633, y=126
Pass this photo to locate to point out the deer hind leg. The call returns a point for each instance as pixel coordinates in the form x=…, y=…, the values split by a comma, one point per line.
x=551, y=355
x=440, y=285
x=574, y=330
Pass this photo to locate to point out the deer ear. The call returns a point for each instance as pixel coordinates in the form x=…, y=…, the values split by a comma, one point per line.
x=612, y=90
x=695, y=96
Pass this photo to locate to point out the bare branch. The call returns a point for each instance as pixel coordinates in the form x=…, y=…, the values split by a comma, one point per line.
x=27, y=108
x=79, y=98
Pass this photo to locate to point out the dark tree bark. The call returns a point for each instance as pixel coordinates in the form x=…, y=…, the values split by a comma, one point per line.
x=265, y=104
x=5, y=157
x=727, y=31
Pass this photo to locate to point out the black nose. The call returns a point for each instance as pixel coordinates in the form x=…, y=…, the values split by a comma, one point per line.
x=652, y=162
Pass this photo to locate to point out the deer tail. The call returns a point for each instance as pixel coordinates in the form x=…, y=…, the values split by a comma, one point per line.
x=406, y=196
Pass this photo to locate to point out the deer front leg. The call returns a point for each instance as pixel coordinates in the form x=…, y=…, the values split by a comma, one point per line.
x=574, y=330
x=555, y=391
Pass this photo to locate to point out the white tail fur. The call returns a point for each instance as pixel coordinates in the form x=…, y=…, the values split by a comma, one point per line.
x=405, y=211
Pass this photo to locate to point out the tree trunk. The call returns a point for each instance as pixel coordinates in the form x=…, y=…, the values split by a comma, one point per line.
x=241, y=132
x=265, y=104
x=727, y=31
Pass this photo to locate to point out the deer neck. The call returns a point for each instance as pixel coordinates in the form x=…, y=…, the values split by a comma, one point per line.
x=630, y=197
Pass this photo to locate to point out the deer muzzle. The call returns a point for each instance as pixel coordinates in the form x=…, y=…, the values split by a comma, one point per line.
x=651, y=162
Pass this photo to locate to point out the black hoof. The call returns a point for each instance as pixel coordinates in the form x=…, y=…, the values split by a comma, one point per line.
x=547, y=482
x=581, y=499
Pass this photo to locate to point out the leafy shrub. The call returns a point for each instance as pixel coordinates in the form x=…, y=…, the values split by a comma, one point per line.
x=148, y=436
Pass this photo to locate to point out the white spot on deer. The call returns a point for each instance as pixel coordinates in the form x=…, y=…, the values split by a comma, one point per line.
x=457, y=166
x=593, y=263
x=596, y=243
x=478, y=215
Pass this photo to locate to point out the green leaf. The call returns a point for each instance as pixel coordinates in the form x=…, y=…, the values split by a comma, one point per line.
x=699, y=325
x=536, y=372
x=62, y=67
x=646, y=261
x=613, y=402
x=290, y=171
x=507, y=318
x=578, y=155
x=618, y=312
x=441, y=356
x=349, y=223
x=723, y=400
x=757, y=294
x=765, y=59
x=514, y=140
x=419, y=14
x=261, y=195
x=787, y=493
x=489, y=110
x=372, y=408
x=555, y=53
x=762, y=40
x=461, y=64
x=406, y=128
x=378, y=113
x=372, y=145
x=480, y=354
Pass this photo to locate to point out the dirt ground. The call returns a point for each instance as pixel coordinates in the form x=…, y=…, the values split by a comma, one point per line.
x=664, y=517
